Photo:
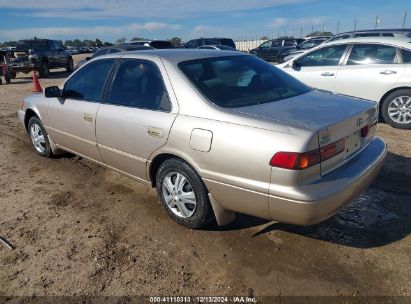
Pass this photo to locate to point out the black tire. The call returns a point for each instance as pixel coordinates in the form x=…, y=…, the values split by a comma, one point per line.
x=203, y=213
x=407, y=109
x=47, y=149
x=44, y=70
x=13, y=74
x=70, y=66
x=7, y=78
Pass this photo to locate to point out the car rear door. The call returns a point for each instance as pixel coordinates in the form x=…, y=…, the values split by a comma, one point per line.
x=72, y=118
x=319, y=67
x=370, y=71
x=137, y=117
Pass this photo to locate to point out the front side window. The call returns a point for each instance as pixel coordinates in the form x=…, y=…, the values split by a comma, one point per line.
x=139, y=84
x=406, y=56
x=88, y=83
x=239, y=81
x=371, y=54
x=326, y=56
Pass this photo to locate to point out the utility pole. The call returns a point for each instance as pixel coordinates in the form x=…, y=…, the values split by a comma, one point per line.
x=338, y=26
x=285, y=32
x=405, y=19
x=301, y=33
x=355, y=25
x=312, y=28
x=377, y=21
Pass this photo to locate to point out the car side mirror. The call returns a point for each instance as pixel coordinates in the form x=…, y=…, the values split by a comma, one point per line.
x=88, y=58
x=296, y=65
x=52, y=92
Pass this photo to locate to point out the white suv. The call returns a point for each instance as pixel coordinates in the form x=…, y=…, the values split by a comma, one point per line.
x=378, y=69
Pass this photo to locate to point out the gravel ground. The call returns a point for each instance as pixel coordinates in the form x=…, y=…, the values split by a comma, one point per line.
x=81, y=229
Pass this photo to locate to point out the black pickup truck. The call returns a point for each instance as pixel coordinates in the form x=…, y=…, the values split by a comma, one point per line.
x=41, y=55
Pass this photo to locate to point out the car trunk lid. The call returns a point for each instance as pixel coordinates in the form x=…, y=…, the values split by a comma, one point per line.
x=334, y=117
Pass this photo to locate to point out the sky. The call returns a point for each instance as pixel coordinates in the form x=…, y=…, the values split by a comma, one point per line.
x=109, y=20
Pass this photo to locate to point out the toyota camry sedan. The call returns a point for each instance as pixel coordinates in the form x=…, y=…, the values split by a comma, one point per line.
x=215, y=132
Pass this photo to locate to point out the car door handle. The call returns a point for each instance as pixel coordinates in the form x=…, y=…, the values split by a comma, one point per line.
x=388, y=72
x=88, y=117
x=327, y=74
x=155, y=132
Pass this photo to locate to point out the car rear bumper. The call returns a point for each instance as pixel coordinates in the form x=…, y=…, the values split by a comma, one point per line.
x=333, y=191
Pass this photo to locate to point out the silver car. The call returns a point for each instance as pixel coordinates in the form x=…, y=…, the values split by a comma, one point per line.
x=216, y=132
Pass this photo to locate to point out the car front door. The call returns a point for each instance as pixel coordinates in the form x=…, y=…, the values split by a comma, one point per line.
x=370, y=71
x=137, y=117
x=318, y=68
x=72, y=117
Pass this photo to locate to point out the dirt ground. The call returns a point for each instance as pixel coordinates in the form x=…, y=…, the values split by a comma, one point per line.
x=81, y=229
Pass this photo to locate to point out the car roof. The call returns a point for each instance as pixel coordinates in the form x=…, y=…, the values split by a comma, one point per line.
x=175, y=56
x=397, y=41
x=393, y=30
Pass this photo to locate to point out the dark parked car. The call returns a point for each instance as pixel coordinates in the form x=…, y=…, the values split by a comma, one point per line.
x=156, y=44
x=41, y=55
x=301, y=48
x=195, y=43
x=217, y=47
x=111, y=50
x=270, y=49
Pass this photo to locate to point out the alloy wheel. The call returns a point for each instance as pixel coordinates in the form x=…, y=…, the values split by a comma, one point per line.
x=37, y=138
x=399, y=109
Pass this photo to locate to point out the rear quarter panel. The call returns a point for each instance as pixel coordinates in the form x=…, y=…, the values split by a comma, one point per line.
x=236, y=170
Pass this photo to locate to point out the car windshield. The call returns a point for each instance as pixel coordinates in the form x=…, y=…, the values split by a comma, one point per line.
x=24, y=46
x=239, y=81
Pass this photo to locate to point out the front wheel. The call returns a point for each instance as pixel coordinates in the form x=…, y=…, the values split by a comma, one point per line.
x=70, y=66
x=39, y=138
x=183, y=194
x=396, y=109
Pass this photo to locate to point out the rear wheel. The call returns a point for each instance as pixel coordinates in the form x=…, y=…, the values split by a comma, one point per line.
x=183, y=194
x=396, y=109
x=44, y=70
x=7, y=78
x=39, y=138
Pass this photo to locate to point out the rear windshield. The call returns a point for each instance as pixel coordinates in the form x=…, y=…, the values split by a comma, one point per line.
x=239, y=81
x=24, y=46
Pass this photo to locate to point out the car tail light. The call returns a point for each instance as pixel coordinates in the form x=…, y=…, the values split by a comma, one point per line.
x=364, y=131
x=295, y=161
x=299, y=161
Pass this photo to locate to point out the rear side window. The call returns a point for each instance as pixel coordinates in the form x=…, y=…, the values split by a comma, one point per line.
x=388, y=35
x=239, y=81
x=88, y=83
x=326, y=56
x=371, y=54
x=406, y=56
x=100, y=53
x=139, y=84
x=227, y=42
x=193, y=43
x=367, y=35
